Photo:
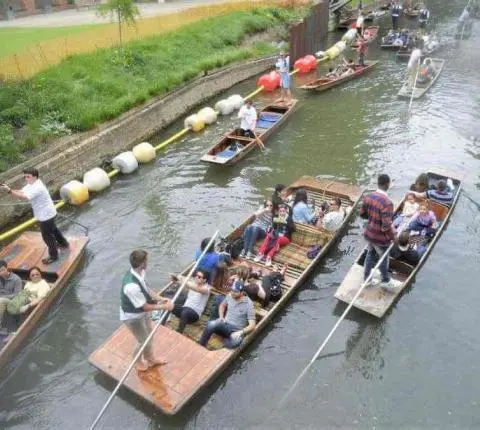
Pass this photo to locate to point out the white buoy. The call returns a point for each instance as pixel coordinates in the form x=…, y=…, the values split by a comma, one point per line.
x=236, y=101
x=96, y=179
x=74, y=192
x=125, y=162
x=144, y=152
x=208, y=115
x=224, y=107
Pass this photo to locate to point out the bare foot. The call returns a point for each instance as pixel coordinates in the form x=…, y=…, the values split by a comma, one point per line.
x=142, y=366
x=157, y=362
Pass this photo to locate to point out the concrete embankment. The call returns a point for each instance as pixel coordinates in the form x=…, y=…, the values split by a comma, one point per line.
x=70, y=158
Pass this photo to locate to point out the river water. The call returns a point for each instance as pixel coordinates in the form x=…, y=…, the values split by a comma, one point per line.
x=416, y=368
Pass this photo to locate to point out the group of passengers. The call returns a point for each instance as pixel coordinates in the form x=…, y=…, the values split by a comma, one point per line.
x=17, y=299
x=417, y=219
x=399, y=38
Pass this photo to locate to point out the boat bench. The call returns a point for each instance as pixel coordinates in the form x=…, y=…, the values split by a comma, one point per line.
x=304, y=237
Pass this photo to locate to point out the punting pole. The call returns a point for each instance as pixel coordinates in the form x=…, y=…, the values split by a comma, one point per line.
x=414, y=85
x=150, y=336
x=322, y=346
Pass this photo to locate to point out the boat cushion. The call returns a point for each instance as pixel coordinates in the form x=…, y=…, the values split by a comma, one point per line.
x=226, y=153
x=267, y=120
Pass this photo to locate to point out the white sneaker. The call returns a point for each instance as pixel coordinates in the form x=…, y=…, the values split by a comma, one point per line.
x=242, y=254
x=392, y=284
x=268, y=263
x=250, y=256
x=258, y=258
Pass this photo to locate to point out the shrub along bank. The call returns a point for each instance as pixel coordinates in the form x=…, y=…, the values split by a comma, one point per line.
x=86, y=90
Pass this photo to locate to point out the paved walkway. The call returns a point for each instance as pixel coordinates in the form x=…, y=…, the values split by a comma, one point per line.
x=86, y=16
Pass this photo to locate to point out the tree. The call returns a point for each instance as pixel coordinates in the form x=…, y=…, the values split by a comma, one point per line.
x=124, y=11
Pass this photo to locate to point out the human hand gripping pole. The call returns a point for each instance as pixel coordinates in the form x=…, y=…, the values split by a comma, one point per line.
x=342, y=317
x=150, y=336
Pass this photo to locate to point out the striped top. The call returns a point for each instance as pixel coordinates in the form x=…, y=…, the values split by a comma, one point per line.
x=378, y=209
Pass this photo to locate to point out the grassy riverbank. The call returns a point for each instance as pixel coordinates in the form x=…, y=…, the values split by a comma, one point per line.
x=86, y=90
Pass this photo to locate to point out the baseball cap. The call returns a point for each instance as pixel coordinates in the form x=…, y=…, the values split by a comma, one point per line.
x=237, y=286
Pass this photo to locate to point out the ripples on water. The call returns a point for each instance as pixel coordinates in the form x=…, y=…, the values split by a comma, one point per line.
x=415, y=368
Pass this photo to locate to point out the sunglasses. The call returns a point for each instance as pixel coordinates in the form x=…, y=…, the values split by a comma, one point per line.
x=269, y=206
x=199, y=277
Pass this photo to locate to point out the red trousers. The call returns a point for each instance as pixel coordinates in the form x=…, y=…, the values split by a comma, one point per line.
x=270, y=246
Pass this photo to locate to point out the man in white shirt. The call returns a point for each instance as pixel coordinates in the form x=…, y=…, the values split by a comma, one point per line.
x=248, y=116
x=360, y=24
x=43, y=210
x=136, y=300
x=413, y=65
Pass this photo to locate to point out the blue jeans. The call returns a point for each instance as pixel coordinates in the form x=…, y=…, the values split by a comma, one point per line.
x=224, y=330
x=250, y=236
x=374, y=252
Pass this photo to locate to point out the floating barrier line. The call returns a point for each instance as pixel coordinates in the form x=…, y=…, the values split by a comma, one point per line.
x=258, y=90
x=113, y=173
x=172, y=139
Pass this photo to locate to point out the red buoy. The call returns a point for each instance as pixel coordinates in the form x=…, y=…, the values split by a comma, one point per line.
x=270, y=82
x=302, y=66
x=311, y=61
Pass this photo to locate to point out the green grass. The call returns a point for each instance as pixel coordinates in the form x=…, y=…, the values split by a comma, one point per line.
x=13, y=40
x=86, y=90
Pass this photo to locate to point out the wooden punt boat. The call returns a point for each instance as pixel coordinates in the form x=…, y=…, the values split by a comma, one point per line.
x=323, y=84
x=384, y=41
x=192, y=367
x=232, y=148
x=369, y=34
x=21, y=255
x=420, y=90
x=376, y=301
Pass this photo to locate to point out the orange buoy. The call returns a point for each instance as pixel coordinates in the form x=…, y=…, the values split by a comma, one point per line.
x=302, y=65
x=311, y=61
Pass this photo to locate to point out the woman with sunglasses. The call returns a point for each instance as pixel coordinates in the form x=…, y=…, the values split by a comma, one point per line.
x=333, y=219
x=197, y=298
x=257, y=229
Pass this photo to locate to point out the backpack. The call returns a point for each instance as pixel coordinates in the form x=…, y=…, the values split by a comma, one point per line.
x=273, y=283
x=232, y=247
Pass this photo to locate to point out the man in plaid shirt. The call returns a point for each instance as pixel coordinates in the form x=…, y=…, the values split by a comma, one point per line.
x=379, y=233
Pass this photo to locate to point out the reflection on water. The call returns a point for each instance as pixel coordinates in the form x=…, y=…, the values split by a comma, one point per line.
x=415, y=368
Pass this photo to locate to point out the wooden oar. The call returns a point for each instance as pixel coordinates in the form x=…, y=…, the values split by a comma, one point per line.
x=260, y=143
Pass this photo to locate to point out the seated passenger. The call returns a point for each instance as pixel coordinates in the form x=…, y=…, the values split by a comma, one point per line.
x=333, y=219
x=410, y=206
x=257, y=229
x=442, y=194
x=237, y=318
x=421, y=184
x=278, y=235
x=302, y=213
x=403, y=251
x=258, y=287
x=278, y=197
x=198, y=293
x=332, y=73
x=35, y=290
x=423, y=221
x=10, y=286
x=210, y=262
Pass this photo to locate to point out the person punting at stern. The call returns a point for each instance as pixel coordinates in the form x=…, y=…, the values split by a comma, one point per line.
x=395, y=11
x=377, y=208
x=43, y=210
x=248, y=116
x=136, y=300
x=362, y=50
x=360, y=24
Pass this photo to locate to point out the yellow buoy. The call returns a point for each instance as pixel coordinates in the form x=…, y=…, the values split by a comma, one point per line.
x=74, y=192
x=144, y=152
x=194, y=122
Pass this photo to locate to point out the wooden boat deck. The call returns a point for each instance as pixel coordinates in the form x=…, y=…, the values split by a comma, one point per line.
x=419, y=91
x=375, y=300
x=21, y=255
x=190, y=366
x=221, y=154
x=324, y=83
